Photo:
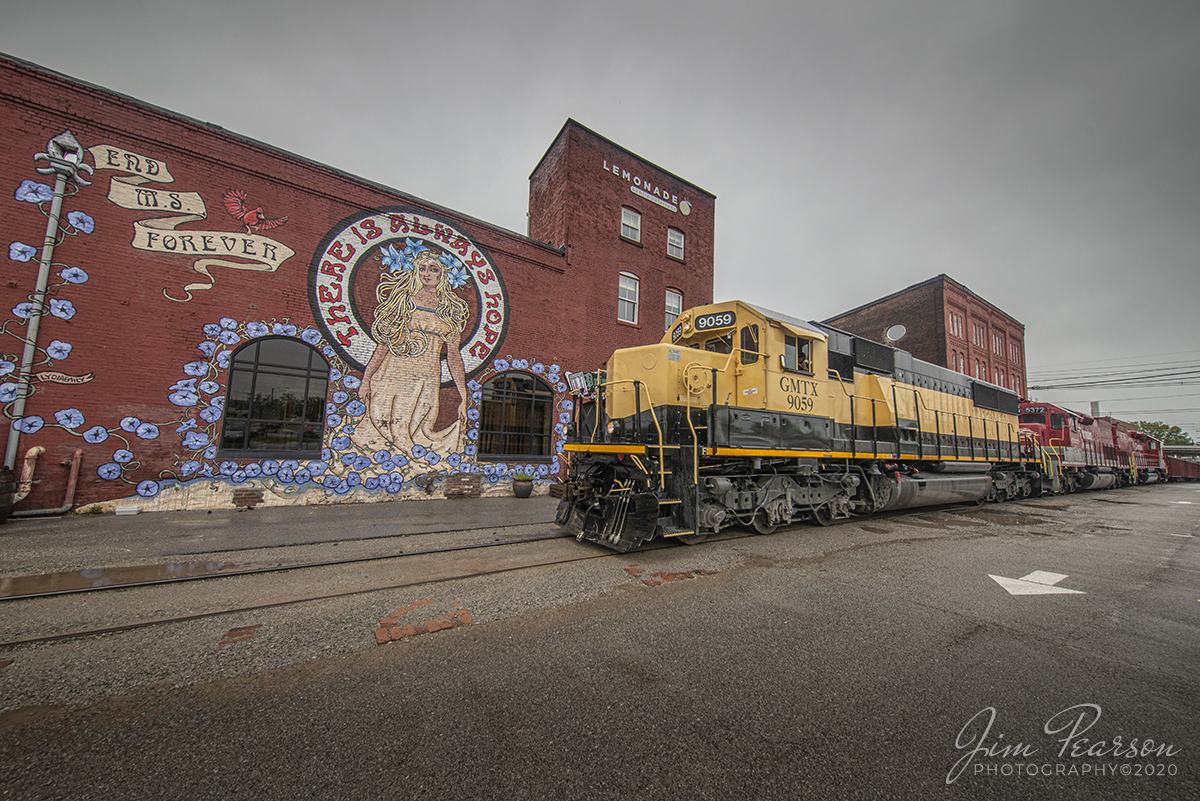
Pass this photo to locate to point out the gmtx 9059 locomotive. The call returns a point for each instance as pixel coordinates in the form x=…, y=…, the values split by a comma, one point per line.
x=741, y=415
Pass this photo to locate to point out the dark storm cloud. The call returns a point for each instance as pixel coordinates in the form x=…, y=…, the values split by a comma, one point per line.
x=1042, y=153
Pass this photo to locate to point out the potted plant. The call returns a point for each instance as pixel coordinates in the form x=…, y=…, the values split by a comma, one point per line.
x=522, y=485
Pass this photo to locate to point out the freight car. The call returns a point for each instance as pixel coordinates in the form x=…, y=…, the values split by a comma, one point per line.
x=744, y=416
x=1182, y=469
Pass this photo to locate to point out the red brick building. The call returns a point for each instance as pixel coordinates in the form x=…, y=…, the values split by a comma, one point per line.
x=221, y=315
x=943, y=322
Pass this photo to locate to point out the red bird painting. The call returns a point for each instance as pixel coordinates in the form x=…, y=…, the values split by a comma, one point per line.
x=253, y=219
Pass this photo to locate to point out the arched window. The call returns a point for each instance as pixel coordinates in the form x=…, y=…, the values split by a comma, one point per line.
x=518, y=417
x=276, y=398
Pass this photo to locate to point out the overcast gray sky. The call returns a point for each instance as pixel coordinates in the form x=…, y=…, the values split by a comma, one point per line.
x=1046, y=154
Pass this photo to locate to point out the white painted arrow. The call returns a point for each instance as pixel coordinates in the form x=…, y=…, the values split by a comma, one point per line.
x=1039, y=582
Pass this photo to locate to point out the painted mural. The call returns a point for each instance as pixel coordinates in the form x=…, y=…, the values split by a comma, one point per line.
x=245, y=250
x=408, y=312
x=417, y=306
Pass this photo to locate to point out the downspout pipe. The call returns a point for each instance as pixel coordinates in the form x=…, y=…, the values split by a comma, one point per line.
x=65, y=157
x=26, y=483
x=69, y=501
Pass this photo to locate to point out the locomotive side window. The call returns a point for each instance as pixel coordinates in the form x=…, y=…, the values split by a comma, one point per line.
x=797, y=354
x=1058, y=421
x=720, y=344
x=749, y=344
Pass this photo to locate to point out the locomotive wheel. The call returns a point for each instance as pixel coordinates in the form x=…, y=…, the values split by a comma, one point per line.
x=822, y=516
x=762, y=523
x=693, y=539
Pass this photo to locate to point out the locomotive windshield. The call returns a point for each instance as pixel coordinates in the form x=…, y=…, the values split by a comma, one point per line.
x=1040, y=419
x=720, y=344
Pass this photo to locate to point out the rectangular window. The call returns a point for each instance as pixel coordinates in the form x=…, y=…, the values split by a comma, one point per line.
x=749, y=344
x=1015, y=355
x=956, y=325
x=674, y=307
x=675, y=244
x=631, y=225
x=627, y=299
x=797, y=354
x=720, y=344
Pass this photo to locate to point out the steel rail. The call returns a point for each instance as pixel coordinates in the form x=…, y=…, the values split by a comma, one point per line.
x=275, y=568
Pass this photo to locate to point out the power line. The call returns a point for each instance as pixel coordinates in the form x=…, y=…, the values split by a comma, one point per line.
x=1113, y=359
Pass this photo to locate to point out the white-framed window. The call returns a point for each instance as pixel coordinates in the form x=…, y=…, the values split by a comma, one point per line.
x=627, y=299
x=675, y=243
x=980, y=335
x=674, y=307
x=956, y=325
x=631, y=225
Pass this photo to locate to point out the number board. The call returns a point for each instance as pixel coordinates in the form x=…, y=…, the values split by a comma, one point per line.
x=709, y=322
x=1034, y=410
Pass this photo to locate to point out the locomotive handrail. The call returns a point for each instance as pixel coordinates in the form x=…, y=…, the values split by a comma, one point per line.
x=970, y=428
x=874, y=418
x=1046, y=457
x=662, y=479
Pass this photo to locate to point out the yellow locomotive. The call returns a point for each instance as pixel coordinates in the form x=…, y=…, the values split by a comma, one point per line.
x=743, y=416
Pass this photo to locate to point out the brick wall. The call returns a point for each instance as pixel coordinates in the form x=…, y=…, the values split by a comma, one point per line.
x=138, y=389
x=925, y=310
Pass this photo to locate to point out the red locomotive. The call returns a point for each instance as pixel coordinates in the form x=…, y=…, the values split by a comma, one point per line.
x=1079, y=452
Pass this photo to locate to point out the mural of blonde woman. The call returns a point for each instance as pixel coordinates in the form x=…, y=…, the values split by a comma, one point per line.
x=418, y=315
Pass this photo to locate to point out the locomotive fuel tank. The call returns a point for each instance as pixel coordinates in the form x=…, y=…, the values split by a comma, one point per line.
x=1097, y=481
x=923, y=489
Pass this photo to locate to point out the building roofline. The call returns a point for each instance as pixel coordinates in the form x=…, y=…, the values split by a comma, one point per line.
x=939, y=277
x=213, y=128
x=572, y=123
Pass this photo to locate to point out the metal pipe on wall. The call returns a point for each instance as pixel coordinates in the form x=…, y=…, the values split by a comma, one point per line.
x=65, y=157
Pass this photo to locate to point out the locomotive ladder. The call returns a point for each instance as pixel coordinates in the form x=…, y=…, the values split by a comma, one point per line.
x=660, y=445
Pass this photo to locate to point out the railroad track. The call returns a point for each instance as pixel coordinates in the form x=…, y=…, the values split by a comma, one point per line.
x=591, y=552
x=23, y=587
x=586, y=554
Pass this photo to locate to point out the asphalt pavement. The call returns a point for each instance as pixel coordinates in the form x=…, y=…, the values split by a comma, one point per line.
x=1030, y=650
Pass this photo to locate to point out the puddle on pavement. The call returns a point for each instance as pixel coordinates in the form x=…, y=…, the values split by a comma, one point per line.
x=1004, y=518
x=967, y=518
x=93, y=578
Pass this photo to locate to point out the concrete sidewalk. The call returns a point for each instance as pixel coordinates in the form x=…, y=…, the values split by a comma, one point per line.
x=42, y=545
